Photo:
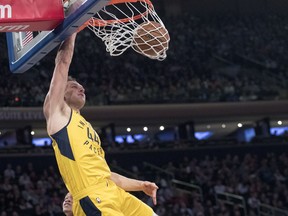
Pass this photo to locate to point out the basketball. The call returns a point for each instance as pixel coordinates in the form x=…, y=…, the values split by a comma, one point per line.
x=151, y=39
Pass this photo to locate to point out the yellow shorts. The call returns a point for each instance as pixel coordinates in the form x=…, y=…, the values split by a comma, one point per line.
x=107, y=199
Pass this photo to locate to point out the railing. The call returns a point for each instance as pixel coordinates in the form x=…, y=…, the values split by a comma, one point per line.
x=159, y=169
x=179, y=185
x=267, y=210
x=232, y=199
x=188, y=188
x=123, y=171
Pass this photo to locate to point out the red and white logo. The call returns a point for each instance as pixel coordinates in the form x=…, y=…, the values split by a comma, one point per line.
x=5, y=11
x=36, y=15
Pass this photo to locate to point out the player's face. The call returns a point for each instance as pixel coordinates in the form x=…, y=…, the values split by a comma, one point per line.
x=75, y=94
x=67, y=204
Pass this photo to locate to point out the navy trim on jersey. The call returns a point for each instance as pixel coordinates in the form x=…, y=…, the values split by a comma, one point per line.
x=62, y=140
x=88, y=207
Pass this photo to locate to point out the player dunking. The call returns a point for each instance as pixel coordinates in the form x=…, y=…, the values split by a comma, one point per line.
x=81, y=160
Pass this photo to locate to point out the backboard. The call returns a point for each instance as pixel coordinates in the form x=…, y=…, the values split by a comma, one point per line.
x=22, y=58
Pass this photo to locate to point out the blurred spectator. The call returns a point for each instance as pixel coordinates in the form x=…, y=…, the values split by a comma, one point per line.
x=211, y=59
x=242, y=176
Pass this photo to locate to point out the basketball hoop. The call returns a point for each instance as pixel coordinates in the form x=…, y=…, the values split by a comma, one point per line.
x=117, y=23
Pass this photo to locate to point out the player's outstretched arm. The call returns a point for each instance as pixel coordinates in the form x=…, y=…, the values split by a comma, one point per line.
x=129, y=184
x=54, y=100
x=55, y=96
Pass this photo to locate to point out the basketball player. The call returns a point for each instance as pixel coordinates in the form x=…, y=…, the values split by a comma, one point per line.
x=67, y=205
x=81, y=160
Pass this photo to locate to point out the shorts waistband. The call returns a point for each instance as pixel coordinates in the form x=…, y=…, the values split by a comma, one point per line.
x=84, y=192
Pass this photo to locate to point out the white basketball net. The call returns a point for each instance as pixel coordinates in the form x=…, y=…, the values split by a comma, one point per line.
x=116, y=27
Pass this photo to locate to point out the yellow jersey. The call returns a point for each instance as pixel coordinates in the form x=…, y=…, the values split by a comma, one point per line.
x=79, y=155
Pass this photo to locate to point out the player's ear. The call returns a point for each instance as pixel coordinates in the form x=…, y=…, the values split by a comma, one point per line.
x=65, y=98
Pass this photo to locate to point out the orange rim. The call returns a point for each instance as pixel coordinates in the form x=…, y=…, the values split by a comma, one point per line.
x=102, y=23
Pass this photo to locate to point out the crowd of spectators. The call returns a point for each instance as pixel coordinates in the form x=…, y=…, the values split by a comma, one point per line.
x=211, y=59
x=26, y=191
x=260, y=179
x=220, y=58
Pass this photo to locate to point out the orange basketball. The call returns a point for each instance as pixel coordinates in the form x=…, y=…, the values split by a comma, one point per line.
x=151, y=39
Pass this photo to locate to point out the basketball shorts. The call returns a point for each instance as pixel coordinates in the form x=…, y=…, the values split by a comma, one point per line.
x=107, y=199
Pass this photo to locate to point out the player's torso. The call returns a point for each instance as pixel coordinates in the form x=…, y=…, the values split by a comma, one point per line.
x=79, y=154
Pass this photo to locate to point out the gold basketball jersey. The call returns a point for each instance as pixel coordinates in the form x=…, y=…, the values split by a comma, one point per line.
x=80, y=157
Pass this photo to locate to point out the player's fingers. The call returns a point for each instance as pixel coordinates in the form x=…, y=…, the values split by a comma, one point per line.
x=154, y=200
x=154, y=197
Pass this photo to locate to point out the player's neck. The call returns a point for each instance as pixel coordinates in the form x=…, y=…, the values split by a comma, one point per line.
x=76, y=110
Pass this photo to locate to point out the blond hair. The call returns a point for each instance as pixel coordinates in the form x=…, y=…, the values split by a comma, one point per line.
x=70, y=78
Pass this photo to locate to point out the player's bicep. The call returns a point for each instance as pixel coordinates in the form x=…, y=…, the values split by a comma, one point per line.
x=55, y=97
x=59, y=81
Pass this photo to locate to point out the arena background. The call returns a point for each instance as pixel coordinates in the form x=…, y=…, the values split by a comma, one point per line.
x=221, y=97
